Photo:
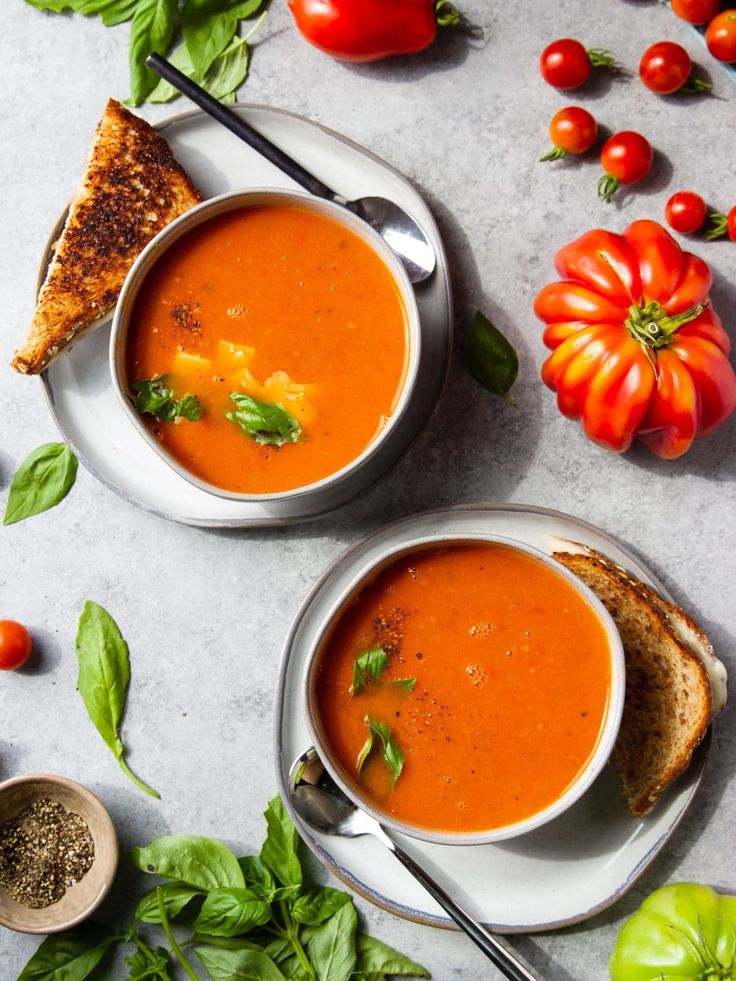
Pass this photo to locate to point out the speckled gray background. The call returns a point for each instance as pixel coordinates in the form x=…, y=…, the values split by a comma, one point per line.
x=206, y=613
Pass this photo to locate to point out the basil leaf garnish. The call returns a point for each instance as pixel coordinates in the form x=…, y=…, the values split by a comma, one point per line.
x=72, y=955
x=238, y=965
x=332, y=946
x=406, y=683
x=317, y=905
x=43, y=479
x=104, y=676
x=152, y=29
x=369, y=664
x=175, y=897
x=378, y=958
x=489, y=357
x=154, y=397
x=200, y=862
x=392, y=755
x=265, y=422
x=230, y=912
x=279, y=850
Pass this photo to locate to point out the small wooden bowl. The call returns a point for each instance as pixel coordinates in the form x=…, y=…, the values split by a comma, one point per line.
x=80, y=900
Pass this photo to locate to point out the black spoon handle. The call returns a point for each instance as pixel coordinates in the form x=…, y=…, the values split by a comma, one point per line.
x=243, y=130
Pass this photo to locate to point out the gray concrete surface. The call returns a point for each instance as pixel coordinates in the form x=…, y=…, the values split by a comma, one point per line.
x=206, y=613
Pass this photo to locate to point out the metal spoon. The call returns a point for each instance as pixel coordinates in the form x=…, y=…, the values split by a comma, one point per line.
x=401, y=232
x=320, y=802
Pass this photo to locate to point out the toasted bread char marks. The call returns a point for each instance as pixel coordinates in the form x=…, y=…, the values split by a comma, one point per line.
x=668, y=696
x=132, y=187
x=687, y=631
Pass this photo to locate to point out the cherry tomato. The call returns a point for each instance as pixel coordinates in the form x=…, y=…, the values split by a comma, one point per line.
x=696, y=11
x=723, y=225
x=627, y=159
x=566, y=64
x=572, y=130
x=15, y=645
x=665, y=67
x=721, y=36
x=685, y=212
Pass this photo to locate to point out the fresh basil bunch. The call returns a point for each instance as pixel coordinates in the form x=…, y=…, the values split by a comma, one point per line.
x=247, y=918
x=212, y=53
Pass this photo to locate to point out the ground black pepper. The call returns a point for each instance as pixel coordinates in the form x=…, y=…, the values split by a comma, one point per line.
x=43, y=851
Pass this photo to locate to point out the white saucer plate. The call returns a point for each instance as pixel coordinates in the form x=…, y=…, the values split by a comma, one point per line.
x=560, y=874
x=78, y=385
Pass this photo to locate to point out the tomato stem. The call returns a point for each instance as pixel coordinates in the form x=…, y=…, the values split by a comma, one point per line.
x=556, y=153
x=694, y=85
x=447, y=14
x=607, y=187
x=720, y=225
x=601, y=58
x=653, y=327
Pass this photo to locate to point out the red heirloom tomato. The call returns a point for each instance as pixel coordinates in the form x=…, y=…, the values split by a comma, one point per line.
x=696, y=11
x=721, y=36
x=686, y=212
x=369, y=30
x=566, y=64
x=637, y=350
x=627, y=159
x=572, y=130
x=15, y=645
x=723, y=225
x=666, y=67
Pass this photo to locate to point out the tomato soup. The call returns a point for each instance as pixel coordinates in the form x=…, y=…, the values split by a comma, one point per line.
x=493, y=687
x=287, y=307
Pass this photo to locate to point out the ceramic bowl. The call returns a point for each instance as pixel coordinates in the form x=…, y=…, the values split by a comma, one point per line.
x=80, y=900
x=235, y=201
x=606, y=738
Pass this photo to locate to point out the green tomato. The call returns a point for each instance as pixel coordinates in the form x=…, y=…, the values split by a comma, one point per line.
x=683, y=932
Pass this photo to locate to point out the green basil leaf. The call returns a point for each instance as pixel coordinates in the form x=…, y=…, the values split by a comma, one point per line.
x=265, y=422
x=104, y=676
x=365, y=751
x=43, y=479
x=280, y=950
x=228, y=71
x=375, y=957
x=238, y=965
x=406, y=683
x=175, y=897
x=111, y=11
x=489, y=357
x=392, y=755
x=208, y=27
x=318, y=904
x=225, y=943
x=279, y=850
x=153, y=397
x=152, y=29
x=332, y=946
x=148, y=964
x=69, y=956
x=200, y=862
x=229, y=912
x=164, y=91
x=370, y=664
x=257, y=876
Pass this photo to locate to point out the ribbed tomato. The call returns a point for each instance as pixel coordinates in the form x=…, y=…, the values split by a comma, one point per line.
x=637, y=350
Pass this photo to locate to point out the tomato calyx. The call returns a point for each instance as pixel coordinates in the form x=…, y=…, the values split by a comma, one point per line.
x=694, y=85
x=607, y=187
x=601, y=58
x=556, y=153
x=447, y=14
x=720, y=225
x=653, y=328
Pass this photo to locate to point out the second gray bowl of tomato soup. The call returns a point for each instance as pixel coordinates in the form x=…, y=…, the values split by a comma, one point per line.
x=444, y=689
x=291, y=327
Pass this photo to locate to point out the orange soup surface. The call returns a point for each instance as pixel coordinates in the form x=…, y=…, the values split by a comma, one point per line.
x=511, y=672
x=290, y=308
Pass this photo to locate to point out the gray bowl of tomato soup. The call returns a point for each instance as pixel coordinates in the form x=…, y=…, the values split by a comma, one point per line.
x=447, y=612
x=320, y=379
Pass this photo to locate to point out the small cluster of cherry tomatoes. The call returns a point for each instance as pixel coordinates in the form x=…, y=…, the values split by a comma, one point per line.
x=720, y=35
x=687, y=212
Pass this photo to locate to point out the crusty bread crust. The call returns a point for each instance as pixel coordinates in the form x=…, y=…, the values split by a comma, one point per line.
x=132, y=187
x=668, y=696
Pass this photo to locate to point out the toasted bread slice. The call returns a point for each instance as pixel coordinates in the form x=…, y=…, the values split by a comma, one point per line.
x=132, y=187
x=668, y=695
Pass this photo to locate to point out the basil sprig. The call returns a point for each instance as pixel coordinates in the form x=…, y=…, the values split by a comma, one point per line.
x=369, y=664
x=212, y=53
x=489, y=357
x=392, y=755
x=154, y=398
x=103, y=680
x=253, y=917
x=265, y=422
x=43, y=479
